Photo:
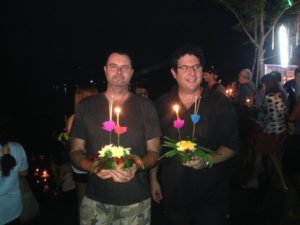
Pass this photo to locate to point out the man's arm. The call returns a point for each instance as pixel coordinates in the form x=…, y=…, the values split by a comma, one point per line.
x=80, y=159
x=153, y=150
x=78, y=156
x=155, y=186
x=221, y=155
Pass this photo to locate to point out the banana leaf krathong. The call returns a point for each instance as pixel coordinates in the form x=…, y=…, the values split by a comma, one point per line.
x=185, y=150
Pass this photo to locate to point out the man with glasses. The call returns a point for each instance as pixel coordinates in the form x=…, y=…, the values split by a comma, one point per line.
x=116, y=196
x=195, y=192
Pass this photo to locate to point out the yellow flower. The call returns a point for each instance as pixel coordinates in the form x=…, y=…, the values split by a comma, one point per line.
x=186, y=146
x=119, y=151
x=114, y=151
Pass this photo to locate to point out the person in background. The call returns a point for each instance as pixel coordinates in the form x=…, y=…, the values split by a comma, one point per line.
x=116, y=196
x=290, y=87
x=211, y=76
x=291, y=160
x=80, y=177
x=195, y=192
x=12, y=165
x=282, y=90
x=246, y=88
x=271, y=133
x=65, y=180
x=141, y=91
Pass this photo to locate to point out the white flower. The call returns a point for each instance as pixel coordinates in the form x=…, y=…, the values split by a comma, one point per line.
x=113, y=151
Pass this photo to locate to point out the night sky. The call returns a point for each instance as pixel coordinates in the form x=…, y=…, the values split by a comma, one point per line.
x=46, y=44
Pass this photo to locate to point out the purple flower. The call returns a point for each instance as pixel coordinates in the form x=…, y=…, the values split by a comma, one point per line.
x=178, y=123
x=108, y=125
x=195, y=118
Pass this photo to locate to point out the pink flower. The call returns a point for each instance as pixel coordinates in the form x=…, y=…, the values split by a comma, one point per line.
x=178, y=123
x=108, y=125
x=120, y=130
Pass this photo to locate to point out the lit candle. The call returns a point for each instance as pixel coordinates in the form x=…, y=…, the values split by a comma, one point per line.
x=176, y=109
x=248, y=102
x=118, y=110
x=110, y=109
x=195, y=104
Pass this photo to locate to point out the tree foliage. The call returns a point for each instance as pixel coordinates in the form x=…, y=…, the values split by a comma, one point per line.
x=257, y=19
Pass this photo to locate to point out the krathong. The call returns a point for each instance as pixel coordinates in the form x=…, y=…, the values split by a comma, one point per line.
x=111, y=156
x=63, y=136
x=186, y=149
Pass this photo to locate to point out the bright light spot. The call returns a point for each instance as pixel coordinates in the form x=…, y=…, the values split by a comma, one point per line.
x=290, y=2
x=284, y=46
x=176, y=108
x=91, y=81
x=117, y=110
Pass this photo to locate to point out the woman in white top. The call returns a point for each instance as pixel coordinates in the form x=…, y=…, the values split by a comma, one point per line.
x=269, y=139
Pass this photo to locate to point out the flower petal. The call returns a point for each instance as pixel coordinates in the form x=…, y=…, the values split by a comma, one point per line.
x=120, y=130
x=108, y=125
x=195, y=118
x=178, y=123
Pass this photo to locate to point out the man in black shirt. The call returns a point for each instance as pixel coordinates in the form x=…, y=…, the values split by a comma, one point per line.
x=193, y=193
x=116, y=196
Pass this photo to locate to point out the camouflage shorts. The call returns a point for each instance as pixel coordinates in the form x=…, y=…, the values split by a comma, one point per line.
x=96, y=213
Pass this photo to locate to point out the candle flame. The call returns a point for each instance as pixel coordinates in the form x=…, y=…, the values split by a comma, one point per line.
x=117, y=110
x=176, y=108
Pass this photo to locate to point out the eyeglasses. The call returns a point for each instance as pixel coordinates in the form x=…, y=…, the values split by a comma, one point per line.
x=186, y=68
x=114, y=67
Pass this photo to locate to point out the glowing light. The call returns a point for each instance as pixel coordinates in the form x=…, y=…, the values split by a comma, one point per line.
x=290, y=3
x=117, y=111
x=284, y=46
x=176, y=109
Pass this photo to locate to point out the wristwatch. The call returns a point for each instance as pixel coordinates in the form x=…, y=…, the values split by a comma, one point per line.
x=208, y=164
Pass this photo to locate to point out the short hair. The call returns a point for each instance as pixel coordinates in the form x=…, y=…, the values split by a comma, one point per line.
x=187, y=49
x=277, y=75
x=120, y=52
x=247, y=72
x=211, y=69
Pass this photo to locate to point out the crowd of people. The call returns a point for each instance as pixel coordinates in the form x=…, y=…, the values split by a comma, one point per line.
x=244, y=126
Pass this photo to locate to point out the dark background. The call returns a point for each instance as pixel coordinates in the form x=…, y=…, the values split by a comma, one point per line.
x=49, y=46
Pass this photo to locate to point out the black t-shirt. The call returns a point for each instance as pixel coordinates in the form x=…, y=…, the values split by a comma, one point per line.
x=140, y=117
x=217, y=127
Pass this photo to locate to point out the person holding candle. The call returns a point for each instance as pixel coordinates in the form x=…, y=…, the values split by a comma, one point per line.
x=195, y=192
x=246, y=88
x=116, y=196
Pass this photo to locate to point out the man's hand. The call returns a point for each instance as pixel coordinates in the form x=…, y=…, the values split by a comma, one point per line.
x=123, y=175
x=196, y=163
x=104, y=174
x=156, y=191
